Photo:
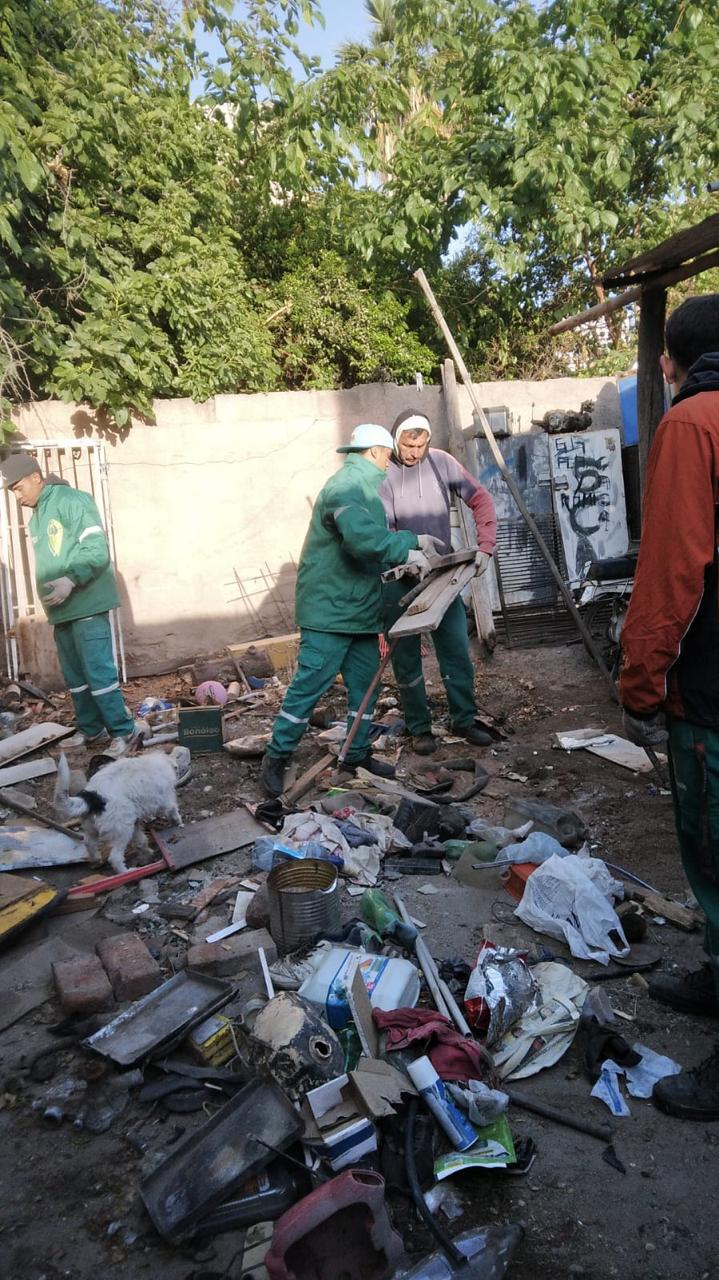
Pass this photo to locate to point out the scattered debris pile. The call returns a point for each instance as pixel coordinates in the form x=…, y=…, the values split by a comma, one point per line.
x=327, y=1063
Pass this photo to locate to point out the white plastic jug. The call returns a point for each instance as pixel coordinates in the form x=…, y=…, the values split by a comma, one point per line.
x=391, y=983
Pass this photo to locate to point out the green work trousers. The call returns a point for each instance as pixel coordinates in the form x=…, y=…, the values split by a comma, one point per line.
x=451, y=644
x=84, y=647
x=694, y=772
x=321, y=656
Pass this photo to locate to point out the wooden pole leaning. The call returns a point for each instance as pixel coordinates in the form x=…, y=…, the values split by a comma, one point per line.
x=564, y=591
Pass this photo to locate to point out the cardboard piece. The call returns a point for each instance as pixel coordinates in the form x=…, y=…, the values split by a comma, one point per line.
x=361, y=1010
x=379, y=1087
x=335, y=1123
x=210, y=838
x=608, y=746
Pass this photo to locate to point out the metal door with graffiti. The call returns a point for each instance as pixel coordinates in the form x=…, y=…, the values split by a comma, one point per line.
x=588, y=497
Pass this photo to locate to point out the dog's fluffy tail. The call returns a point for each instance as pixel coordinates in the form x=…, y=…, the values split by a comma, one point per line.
x=66, y=805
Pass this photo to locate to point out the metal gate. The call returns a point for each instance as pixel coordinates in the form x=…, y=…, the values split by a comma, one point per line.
x=84, y=467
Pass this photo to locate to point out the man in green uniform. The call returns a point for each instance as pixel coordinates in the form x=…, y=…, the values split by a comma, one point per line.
x=338, y=601
x=76, y=586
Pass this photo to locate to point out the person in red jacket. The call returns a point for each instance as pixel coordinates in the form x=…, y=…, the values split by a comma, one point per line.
x=671, y=654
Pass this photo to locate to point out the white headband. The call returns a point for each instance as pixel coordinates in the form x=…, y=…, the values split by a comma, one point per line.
x=417, y=422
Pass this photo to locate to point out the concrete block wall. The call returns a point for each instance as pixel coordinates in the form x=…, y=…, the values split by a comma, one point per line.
x=219, y=493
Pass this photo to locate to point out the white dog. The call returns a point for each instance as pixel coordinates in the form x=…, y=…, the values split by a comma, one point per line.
x=122, y=796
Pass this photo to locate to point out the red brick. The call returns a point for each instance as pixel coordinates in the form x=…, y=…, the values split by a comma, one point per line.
x=82, y=985
x=130, y=967
x=233, y=954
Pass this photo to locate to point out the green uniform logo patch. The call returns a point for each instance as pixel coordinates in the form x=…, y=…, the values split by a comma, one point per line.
x=55, y=534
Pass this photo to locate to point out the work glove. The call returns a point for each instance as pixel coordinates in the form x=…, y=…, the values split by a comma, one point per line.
x=482, y=561
x=645, y=733
x=431, y=546
x=419, y=563
x=58, y=590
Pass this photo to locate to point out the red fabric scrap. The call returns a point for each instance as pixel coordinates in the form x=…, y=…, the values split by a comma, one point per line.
x=452, y=1057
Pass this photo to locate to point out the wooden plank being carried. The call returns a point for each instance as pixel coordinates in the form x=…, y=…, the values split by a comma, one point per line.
x=420, y=617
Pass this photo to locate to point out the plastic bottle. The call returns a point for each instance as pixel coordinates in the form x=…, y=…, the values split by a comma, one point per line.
x=381, y=915
x=481, y=850
x=457, y=1127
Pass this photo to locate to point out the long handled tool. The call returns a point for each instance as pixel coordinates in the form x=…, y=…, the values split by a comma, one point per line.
x=364, y=704
x=509, y=480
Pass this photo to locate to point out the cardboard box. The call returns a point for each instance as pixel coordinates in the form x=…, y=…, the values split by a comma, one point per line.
x=200, y=729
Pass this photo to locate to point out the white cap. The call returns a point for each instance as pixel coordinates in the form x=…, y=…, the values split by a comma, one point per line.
x=366, y=436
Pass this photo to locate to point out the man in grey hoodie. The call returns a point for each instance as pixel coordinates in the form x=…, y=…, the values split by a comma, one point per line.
x=417, y=495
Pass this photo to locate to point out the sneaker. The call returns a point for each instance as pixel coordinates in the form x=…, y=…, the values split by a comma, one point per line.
x=120, y=745
x=692, y=1095
x=380, y=768
x=472, y=733
x=81, y=740
x=423, y=744
x=290, y=971
x=272, y=774
x=693, y=992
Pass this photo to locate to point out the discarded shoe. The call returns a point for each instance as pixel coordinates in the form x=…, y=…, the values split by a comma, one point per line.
x=692, y=1095
x=80, y=740
x=289, y=972
x=380, y=768
x=693, y=992
x=472, y=733
x=423, y=744
x=272, y=775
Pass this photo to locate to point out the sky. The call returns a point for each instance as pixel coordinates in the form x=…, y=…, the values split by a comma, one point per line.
x=344, y=20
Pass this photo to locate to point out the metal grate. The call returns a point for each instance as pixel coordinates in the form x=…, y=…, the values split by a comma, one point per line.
x=84, y=467
x=532, y=612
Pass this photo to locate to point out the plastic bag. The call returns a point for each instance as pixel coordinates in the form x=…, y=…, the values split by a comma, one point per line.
x=500, y=989
x=569, y=898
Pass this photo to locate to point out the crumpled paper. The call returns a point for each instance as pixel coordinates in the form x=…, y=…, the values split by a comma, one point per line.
x=481, y=1103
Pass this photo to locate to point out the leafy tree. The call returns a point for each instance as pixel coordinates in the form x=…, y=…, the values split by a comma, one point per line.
x=331, y=332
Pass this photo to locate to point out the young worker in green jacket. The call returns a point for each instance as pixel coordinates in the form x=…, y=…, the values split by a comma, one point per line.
x=338, y=600
x=76, y=585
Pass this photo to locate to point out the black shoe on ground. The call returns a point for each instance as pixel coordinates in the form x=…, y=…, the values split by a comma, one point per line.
x=472, y=733
x=693, y=992
x=692, y=1095
x=272, y=775
x=380, y=768
x=423, y=744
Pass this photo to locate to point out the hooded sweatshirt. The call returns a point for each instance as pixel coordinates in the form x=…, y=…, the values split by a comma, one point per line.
x=671, y=634
x=419, y=498
x=69, y=542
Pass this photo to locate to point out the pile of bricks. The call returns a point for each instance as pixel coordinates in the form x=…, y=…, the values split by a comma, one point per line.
x=122, y=969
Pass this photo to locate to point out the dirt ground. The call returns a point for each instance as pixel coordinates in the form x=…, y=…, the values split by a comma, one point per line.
x=69, y=1203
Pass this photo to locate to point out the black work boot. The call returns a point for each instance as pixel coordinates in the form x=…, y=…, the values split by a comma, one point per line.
x=692, y=1095
x=380, y=768
x=272, y=775
x=693, y=992
x=472, y=733
x=423, y=743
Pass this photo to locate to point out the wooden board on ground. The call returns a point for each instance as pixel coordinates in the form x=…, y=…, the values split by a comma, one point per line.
x=683, y=917
x=25, y=844
x=32, y=739
x=28, y=769
x=210, y=838
x=452, y=581
x=27, y=981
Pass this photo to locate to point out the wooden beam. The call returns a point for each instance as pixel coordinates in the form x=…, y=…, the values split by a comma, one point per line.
x=650, y=381
x=480, y=589
x=620, y=300
x=513, y=487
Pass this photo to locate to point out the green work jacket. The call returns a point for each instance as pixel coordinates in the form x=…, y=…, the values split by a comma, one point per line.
x=69, y=542
x=348, y=546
